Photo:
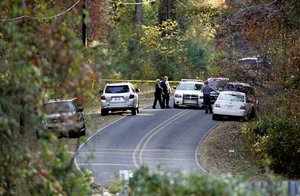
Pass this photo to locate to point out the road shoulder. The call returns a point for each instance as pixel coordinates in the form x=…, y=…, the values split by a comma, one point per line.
x=221, y=150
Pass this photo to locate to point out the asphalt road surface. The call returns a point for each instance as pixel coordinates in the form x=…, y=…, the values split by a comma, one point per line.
x=165, y=138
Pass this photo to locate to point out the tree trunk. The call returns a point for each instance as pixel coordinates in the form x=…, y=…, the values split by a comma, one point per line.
x=165, y=10
x=138, y=12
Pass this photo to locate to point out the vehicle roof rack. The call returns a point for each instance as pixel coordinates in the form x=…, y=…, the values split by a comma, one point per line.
x=191, y=80
x=218, y=78
x=60, y=99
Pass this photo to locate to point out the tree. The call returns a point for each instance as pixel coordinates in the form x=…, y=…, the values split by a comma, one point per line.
x=269, y=29
x=37, y=61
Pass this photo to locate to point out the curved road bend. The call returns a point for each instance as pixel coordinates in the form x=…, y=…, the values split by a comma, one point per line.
x=166, y=138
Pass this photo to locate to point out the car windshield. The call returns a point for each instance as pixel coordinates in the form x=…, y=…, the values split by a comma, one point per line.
x=58, y=107
x=117, y=89
x=231, y=97
x=216, y=83
x=239, y=88
x=189, y=86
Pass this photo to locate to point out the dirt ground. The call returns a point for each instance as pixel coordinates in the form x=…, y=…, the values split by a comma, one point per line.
x=222, y=151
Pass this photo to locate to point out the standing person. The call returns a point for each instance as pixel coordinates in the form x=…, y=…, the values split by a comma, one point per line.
x=166, y=91
x=206, y=89
x=157, y=95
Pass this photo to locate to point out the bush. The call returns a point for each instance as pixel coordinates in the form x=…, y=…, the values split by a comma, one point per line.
x=146, y=182
x=277, y=138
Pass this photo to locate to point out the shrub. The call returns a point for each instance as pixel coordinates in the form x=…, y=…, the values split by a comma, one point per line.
x=146, y=182
x=277, y=138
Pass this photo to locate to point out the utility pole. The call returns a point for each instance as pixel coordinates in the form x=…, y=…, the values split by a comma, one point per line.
x=84, y=26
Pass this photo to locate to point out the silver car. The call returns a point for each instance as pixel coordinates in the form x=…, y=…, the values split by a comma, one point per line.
x=119, y=97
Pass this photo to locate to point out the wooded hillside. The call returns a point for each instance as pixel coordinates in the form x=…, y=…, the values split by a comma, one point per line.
x=42, y=56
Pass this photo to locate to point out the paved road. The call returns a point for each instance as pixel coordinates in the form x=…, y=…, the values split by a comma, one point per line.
x=166, y=138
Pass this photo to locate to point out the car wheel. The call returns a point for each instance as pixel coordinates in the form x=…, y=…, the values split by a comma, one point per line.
x=215, y=117
x=252, y=114
x=133, y=111
x=77, y=135
x=175, y=105
x=104, y=112
x=137, y=110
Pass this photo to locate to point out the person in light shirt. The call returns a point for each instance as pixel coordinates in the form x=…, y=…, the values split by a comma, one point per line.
x=166, y=91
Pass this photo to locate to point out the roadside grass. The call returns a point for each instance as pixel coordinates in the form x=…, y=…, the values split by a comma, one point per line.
x=224, y=152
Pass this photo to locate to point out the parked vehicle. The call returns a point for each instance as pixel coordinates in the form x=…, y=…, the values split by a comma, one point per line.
x=119, y=97
x=233, y=104
x=245, y=88
x=64, y=118
x=256, y=70
x=216, y=83
x=188, y=93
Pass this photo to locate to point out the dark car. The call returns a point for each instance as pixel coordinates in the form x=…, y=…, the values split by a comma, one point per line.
x=216, y=83
x=63, y=117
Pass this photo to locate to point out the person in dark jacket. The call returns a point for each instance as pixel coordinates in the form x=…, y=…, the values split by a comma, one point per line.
x=158, y=95
x=206, y=89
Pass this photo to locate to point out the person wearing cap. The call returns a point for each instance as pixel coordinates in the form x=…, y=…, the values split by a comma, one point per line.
x=157, y=95
x=206, y=89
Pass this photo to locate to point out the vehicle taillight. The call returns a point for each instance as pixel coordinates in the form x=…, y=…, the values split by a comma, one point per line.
x=243, y=107
x=102, y=97
x=254, y=101
x=131, y=96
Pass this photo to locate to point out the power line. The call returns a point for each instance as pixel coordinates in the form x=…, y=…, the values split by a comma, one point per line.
x=124, y=3
x=43, y=17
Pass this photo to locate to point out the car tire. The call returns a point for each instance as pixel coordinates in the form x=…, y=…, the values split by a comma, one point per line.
x=133, y=111
x=215, y=117
x=104, y=112
x=175, y=105
x=252, y=114
x=137, y=110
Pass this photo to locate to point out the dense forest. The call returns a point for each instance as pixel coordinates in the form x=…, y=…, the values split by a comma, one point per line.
x=65, y=48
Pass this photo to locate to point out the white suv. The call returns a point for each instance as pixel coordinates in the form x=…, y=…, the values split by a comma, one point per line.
x=188, y=93
x=119, y=97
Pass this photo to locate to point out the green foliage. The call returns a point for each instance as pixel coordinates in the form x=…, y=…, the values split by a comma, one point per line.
x=269, y=30
x=146, y=182
x=171, y=52
x=277, y=138
x=152, y=50
x=38, y=59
